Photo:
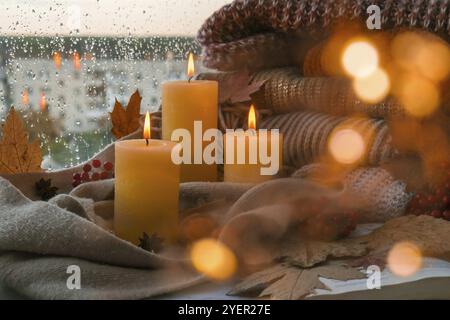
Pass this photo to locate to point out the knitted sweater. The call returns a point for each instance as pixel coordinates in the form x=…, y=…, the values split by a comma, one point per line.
x=258, y=33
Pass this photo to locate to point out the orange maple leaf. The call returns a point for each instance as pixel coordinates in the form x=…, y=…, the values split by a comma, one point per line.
x=126, y=120
x=16, y=154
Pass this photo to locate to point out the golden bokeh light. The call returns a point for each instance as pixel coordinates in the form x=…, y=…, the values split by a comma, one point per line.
x=405, y=49
x=433, y=61
x=346, y=146
x=213, y=259
x=419, y=96
x=404, y=259
x=373, y=88
x=360, y=59
x=423, y=53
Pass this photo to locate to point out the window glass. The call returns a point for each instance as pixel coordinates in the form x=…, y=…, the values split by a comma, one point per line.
x=63, y=64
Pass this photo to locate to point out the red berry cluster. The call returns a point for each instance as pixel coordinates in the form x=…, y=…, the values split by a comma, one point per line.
x=93, y=171
x=434, y=200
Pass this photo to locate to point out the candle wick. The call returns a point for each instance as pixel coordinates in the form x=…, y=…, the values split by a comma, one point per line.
x=146, y=142
x=190, y=79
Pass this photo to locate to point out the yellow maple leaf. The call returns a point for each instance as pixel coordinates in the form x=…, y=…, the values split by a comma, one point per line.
x=126, y=121
x=17, y=155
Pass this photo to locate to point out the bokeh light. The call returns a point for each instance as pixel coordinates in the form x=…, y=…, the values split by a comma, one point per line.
x=26, y=97
x=76, y=61
x=213, y=259
x=404, y=259
x=347, y=146
x=43, y=102
x=360, y=59
x=433, y=61
x=373, y=88
x=423, y=53
x=419, y=96
x=405, y=49
x=57, y=59
x=191, y=66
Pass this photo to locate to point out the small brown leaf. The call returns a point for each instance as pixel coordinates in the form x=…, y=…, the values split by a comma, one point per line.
x=126, y=121
x=16, y=154
x=284, y=282
x=237, y=87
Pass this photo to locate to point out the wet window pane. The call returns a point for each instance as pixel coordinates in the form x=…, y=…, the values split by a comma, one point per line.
x=63, y=63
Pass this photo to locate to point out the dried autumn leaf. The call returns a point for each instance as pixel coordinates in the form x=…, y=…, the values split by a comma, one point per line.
x=378, y=259
x=237, y=87
x=284, y=282
x=430, y=235
x=126, y=120
x=16, y=154
x=310, y=253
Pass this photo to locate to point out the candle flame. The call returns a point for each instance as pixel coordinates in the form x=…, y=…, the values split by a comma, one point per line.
x=252, y=118
x=147, y=127
x=191, y=66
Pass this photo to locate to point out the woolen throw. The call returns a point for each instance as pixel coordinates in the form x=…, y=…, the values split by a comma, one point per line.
x=258, y=34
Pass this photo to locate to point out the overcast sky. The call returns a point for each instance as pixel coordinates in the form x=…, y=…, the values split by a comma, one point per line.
x=105, y=17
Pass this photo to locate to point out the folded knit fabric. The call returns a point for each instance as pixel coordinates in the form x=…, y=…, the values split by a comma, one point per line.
x=286, y=90
x=382, y=196
x=306, y=135
x=258, y=33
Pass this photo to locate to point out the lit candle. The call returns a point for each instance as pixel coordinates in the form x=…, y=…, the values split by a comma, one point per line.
x=249, y=148
x=183, y=103
x=146, y=189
